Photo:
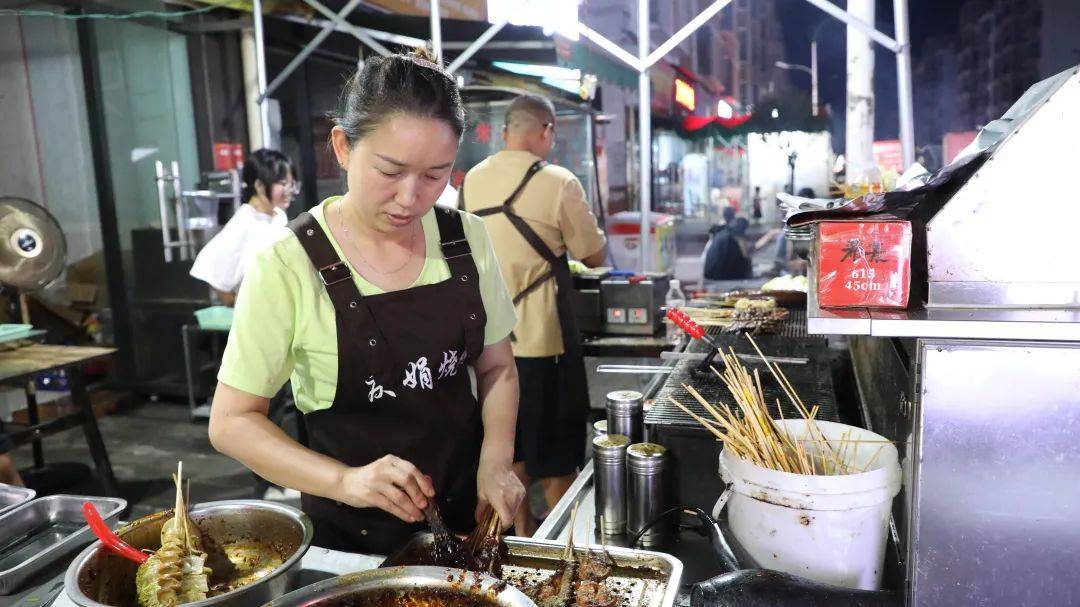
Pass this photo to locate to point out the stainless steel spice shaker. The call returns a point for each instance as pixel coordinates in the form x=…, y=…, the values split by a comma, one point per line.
x=600, y=427
x=609, y=469
x=646, y=492
x=625, y=414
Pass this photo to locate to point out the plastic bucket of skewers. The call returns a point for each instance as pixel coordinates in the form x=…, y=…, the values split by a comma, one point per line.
x=806, y=497
x=818, y=506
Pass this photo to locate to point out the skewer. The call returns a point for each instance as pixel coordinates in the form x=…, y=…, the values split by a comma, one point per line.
x=568, y=552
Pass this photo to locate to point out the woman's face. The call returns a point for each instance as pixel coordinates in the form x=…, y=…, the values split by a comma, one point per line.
x=283, y=191
x=397, y=171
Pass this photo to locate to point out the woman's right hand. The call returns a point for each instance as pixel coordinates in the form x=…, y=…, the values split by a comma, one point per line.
x=391, y=484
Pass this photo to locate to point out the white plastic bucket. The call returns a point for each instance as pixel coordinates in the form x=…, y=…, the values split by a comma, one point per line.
x=831, y=529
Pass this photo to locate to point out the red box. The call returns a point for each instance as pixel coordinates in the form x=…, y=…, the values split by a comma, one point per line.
x=864, y=264
x=223, y=156
x=228, y=155
x=238, y=155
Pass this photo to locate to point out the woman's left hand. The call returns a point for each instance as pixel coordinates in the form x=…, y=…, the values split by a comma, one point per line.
x=497, y=485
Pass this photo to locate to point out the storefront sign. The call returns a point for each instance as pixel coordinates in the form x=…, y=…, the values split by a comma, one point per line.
x=889, y=155
x=553, y=16
x=684, y=94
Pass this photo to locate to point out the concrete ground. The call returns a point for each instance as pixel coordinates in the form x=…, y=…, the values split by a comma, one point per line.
x=144, y=445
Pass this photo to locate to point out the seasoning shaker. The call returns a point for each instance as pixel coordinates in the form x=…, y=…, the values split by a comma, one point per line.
x=625, y=414
x=600, y=427
x=646, y=492
x=609, y=469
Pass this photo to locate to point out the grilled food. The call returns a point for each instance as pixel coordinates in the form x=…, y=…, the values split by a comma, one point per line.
x=176, y=573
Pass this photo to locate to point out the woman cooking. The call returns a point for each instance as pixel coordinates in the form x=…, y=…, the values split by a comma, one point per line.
x=378, y=304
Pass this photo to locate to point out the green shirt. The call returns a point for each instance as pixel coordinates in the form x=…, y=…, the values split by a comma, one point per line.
x=284, y=323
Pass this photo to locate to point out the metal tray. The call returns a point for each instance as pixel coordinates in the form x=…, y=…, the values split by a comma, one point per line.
x=39, y=532
x=640, y=578
x=12, y=496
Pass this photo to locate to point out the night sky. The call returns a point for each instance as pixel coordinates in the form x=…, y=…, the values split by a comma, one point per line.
x=799, y=19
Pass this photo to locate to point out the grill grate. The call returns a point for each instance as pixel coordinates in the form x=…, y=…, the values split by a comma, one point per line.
x=794, y=326
x=812, y=382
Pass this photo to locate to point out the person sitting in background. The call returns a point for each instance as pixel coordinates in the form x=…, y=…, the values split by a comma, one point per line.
x=726, y=257
x=269, y=187
x=729, y=254
x=9, y=475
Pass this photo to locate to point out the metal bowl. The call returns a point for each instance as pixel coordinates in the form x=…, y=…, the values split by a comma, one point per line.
x=254, y=550
x=474, y=589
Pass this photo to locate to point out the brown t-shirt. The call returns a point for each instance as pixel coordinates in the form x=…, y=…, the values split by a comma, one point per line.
x=554, y=205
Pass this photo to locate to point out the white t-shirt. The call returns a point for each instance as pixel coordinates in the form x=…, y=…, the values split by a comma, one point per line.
x=221, y=263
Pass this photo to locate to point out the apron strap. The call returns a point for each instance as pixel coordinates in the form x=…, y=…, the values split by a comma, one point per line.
x=528, y=233
x=574, y=390
x=508, y=204
x=455, y=246
x=334, y=273
x=459, y=258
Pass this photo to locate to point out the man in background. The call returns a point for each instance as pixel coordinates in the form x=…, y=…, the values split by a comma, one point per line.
x=537, y=215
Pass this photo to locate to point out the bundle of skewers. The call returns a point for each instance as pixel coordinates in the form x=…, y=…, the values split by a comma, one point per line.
x=482, y=551
x=749, y=431
x=756, y=315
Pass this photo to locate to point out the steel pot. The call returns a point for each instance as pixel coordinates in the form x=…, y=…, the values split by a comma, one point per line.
x=254, y=547
x=375, y=582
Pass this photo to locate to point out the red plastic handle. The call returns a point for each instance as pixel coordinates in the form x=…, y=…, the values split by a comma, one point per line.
x=685, y=323
x=110, y=540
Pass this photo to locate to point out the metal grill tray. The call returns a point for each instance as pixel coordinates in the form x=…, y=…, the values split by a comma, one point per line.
x=640, y=578
x=39, y=532
x=12, y=496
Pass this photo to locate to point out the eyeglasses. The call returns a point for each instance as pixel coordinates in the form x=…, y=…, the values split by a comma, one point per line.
x=290, y=187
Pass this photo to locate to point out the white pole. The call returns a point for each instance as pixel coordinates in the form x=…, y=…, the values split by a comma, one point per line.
x=475, y=46
x=436, y=31
x=813, y=78
x=644, y=132
x=686, y=30
x=860, y=94
x=903, y=81
x=852, y=18
x=260, y=70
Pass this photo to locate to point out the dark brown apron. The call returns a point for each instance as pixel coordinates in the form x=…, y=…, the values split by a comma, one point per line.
x=402, y=388
x=573, y=387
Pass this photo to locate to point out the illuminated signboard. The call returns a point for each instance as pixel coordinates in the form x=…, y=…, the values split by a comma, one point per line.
x=684, y=94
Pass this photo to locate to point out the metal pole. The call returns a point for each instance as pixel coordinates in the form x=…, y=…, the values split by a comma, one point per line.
x=373, y=34
x=813, y=77
x=348, y=27
x=903, y=81
x=475, y=46
x=686, y=30
x=854, y=21
x=644, y=131
x=305, y=52
x=260, y=72
x=436, y=31
x=599, y=40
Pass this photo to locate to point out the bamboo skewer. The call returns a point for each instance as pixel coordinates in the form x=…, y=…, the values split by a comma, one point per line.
x=749, y=431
